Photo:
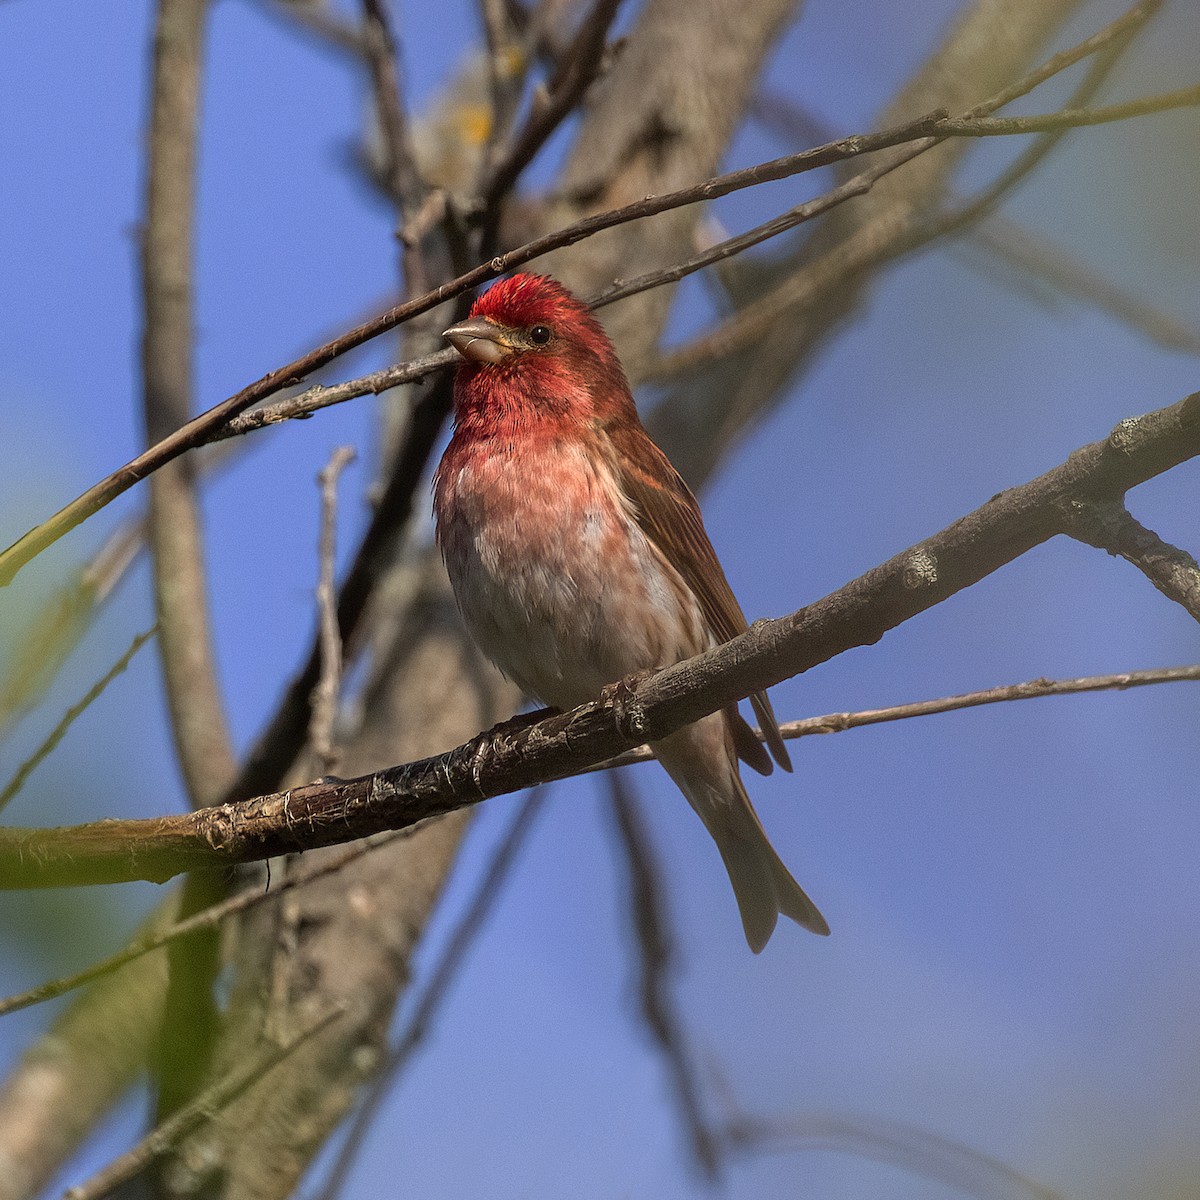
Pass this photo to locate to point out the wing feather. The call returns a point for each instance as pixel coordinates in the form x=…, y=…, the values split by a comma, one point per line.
x=669, y=516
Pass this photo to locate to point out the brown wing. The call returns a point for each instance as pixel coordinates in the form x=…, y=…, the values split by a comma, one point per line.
x=668, y=514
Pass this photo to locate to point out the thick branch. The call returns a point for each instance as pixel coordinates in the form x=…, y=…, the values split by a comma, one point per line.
x=520, y=755
x=198, y=725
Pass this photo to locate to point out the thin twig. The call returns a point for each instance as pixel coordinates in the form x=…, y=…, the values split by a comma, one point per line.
x=58, y=625
x=1069, y=118
x=170, y=1132
x=329, y=685
x=56, y=735
x=403, y=179
x=655, y=954
x=907, y=1146
x=420, y=1021
x=208, y=918
x=1032, y=689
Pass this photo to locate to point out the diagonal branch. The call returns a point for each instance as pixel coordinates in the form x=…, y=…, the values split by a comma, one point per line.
x=1108, y=525
x=160, y=1140
x=655, y=954
x=523, y=754
x=576, y=70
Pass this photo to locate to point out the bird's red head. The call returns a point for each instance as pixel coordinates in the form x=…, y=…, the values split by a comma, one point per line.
x=530, y=341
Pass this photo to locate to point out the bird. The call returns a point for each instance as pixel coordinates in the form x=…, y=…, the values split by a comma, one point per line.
x=578, y=557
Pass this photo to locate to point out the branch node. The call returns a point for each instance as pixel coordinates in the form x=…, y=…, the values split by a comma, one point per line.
x=1127, y=436
x=921, y=570
x=220, y=826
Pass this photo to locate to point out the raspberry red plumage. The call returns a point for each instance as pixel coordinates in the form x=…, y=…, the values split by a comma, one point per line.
x=578, y=555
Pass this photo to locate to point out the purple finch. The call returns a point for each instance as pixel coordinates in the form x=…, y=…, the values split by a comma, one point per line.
x=578, y=556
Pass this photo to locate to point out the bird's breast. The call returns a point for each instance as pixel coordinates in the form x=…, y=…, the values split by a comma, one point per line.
x=556, y=581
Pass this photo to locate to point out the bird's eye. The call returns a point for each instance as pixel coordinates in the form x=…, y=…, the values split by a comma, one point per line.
x=539, y=335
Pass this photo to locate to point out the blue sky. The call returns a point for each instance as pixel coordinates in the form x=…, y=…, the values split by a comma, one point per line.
x=1012, y=890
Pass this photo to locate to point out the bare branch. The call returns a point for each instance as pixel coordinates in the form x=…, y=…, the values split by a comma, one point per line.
x=1032, y=689
x=198, y=724
x=56, y=735
x=656, y=960
x=433, y=994
x=1108, y=525
x=522, y=754
x=164, y=1137
x=325, y=694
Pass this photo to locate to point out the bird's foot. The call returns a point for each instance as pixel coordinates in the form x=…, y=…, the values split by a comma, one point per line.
x=627, y=710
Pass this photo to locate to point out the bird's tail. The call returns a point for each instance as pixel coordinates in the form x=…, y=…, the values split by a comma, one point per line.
x=764, y=887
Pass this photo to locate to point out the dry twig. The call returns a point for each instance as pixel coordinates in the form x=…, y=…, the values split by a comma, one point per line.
x=56, y=735
x=655, y=957
x=325, y=694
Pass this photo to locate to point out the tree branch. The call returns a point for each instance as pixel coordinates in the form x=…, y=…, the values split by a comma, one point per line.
x=520, y=754
x=1032, y=689
x=1108, y=525
x=655, y=955
x=198, y=725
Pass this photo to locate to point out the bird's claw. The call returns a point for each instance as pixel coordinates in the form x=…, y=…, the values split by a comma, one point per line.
x=627, y=709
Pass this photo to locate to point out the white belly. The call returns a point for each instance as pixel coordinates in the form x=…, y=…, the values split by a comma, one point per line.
x=563, y=592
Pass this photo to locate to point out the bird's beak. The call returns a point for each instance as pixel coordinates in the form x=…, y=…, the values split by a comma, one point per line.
x=480, y=340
